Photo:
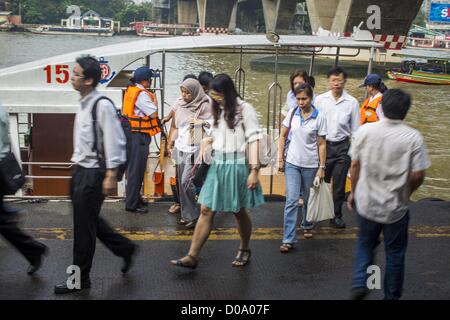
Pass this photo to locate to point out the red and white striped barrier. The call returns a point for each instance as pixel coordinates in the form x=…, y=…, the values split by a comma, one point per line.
x=214, y=30
x=391, y=42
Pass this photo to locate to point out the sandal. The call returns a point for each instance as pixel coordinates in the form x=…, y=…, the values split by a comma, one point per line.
x=307, y=234
x=191, y=265
x=286, y=247
x=175, y=208
x=242, y=258
x=183, y=222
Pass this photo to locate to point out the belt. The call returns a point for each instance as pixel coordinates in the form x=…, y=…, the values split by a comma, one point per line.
x=334, y=143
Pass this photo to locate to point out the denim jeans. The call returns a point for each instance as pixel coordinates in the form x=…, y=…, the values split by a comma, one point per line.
x=395, y=243
x=298, y=182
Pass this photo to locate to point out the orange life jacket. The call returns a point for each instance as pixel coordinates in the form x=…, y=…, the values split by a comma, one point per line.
x=368, y=110
x=139, y=124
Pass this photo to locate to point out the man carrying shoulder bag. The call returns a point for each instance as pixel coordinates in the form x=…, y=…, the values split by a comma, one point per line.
x=11, y=179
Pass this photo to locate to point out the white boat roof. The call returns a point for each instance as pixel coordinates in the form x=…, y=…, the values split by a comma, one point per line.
x=429, y=54
x=42, y=96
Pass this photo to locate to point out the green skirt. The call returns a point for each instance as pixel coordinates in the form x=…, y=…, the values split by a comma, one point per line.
x=225, y=188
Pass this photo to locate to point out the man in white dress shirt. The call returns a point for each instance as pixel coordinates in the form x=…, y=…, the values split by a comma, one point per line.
x=342, y=114
x=95, y=174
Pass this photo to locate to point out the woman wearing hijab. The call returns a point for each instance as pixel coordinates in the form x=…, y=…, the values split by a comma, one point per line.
x=193, y=120
x=231, y=184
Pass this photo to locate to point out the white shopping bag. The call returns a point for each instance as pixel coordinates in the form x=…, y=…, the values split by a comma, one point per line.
x=320, y=203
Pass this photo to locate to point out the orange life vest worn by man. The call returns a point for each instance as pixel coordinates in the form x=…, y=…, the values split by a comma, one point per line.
x=140, y=107
x=371, y=109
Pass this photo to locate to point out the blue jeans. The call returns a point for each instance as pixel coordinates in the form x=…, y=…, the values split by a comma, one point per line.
x=395, y=243
x=298, y=182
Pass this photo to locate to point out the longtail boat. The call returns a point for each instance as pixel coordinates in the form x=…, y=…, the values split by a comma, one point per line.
x=420, y=77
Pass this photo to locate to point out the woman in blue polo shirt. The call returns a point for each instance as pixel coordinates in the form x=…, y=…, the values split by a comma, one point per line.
x=302, y=159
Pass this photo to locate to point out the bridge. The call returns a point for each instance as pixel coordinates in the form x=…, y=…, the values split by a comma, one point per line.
x=339, y=16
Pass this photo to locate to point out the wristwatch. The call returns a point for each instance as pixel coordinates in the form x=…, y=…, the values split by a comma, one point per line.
x=322, y=167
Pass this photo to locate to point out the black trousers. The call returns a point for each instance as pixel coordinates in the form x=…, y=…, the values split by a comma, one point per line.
x=9, y=229
x=137, y=164
x=337, y=165
x=87, y=198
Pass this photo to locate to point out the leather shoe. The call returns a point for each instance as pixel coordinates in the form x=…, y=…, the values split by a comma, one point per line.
x=62, y=288
x=37, y=264
x=359, y=293
x=338, y=223
x=137, y=210
x=191, y=224
x=128, y=261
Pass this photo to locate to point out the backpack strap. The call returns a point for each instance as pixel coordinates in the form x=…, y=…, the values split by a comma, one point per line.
x=95, y=146
x=290, y=120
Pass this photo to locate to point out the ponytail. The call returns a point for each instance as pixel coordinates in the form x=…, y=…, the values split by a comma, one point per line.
x=382, y=87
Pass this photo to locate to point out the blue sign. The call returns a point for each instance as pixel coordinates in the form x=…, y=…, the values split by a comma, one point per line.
x=440, y=12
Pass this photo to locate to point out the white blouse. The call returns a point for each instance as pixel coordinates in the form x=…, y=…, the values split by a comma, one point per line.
x=231, y=140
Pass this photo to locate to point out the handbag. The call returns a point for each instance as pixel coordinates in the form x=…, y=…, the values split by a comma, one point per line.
x=11, y=175
x=320, y=203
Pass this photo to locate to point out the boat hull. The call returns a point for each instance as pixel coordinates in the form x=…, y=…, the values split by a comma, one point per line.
x=68, y=32
x=420, y=77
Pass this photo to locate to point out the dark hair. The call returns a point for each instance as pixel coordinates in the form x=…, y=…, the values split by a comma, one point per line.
x=205, y=78
x=91, y=68
x=396, y=104
x=380, y=86
x=336, y=71
x=222, y=83
x=303, y=74
x=306, y=88
x=190, y=76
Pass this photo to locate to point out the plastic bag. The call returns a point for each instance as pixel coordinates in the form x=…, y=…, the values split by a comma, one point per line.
x=320, y=203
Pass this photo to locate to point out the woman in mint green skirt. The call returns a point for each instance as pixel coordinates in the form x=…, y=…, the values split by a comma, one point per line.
x=232, y=183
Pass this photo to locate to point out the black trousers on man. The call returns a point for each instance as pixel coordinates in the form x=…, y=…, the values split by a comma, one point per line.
x=137, y=163
x=337, y=165
x=30, y=248
x=87, y=199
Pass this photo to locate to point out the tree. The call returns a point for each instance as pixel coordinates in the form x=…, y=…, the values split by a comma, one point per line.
x=52, y=11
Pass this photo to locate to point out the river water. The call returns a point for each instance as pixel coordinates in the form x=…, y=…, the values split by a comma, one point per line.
x=430, y=113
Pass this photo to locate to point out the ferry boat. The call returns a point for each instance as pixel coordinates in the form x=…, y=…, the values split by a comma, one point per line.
x=151, y=29
x=88, y=24
x=51, y=102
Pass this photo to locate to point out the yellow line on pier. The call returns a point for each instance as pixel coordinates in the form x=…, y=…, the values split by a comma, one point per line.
x=323, y=233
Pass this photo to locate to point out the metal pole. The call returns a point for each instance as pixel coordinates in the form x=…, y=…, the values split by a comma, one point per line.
x=163, y=90
x=336, y=63
x=274, y=110
x=311, y=65
x=369, y=69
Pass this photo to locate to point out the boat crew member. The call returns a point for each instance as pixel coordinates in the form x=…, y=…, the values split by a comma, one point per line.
x=31, y=249
x=342, y=113
x=94, y=176
x=140, y=107
x=371, y=109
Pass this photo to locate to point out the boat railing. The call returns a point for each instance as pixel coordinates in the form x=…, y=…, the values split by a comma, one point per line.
x=274, y=93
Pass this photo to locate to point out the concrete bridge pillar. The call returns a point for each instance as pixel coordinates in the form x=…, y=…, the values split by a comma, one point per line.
x=187, y=11
x=215, y=13
x=342, y=15
x=278, y=14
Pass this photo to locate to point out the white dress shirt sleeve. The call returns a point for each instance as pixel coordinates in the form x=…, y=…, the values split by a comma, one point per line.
x=145, y=105
x=355, y=121
x=114, y=142
x=420, y=160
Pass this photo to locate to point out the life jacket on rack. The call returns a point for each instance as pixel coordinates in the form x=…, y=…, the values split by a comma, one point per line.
x=145, y=124
x=368, y=110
